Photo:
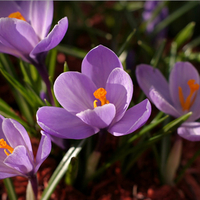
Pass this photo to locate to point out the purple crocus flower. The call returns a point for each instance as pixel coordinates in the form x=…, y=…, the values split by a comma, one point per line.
x=149, y=7
x=96, y=99
x=16, y=154
x=178, y=97
x=24, y=31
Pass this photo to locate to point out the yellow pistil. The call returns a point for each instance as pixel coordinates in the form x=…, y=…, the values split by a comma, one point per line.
x=5, y=146
x=186, y=105
x=101, y=95
x=17, y=15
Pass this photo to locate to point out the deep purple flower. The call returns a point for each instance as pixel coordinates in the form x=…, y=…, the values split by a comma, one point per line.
x=178, y=97
x=24, y=29
x=16, y=154
x=149, y=8
x=96, y=99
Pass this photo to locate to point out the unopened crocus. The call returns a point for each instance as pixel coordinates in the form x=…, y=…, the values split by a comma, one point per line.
x=16, y=154
x=96, y=99
x=178, y=97
x=24, y=32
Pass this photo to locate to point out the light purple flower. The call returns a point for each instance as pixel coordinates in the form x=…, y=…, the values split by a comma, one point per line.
x=82, y=114
x=24, y=32
x=29, y=39
x=178, y=97
x=16, y=154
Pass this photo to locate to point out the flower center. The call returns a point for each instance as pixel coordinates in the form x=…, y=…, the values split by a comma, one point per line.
x=101, y=95
x=17, y=15
x=5, y=146
x=186, y=104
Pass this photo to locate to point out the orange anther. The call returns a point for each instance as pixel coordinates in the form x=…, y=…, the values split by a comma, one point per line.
x=186, y=105
x=101, y=95
x=4, y=145
x=17, y=15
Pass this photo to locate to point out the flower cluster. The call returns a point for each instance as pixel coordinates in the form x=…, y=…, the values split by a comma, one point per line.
x=97, y=100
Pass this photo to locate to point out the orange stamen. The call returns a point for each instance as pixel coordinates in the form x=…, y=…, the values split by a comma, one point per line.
x=101, y=95
x=186, y=105
x=17, y=15
x=5, y=146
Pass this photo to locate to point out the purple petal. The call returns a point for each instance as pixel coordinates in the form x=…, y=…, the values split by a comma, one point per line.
x=43, y=151
x=99, y=63
x=179, y=76
x=52, y=39
x=7, y=171
x=119, y=89
x=20, y=161
x=11, y=50
x=61, y=142
x=190, y=131
x=162, y=104
x=2, y=154
x=2, y=136
x=1, y=131
x=41, y=15
x=148, y=76
x=195, y=109
x=60, y=123
x=16, y=134
x=74, y=91
x=133, y=119
x=17, y=35
x=100, y=117
x=8, y=7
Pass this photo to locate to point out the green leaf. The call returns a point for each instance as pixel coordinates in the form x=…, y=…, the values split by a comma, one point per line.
x=146, y=47
x=52, y=62
x=10, y=188
x=72, y=171
x=155, y=60
x=166, y=130
x=172, y=58
x=8, y=112
x=72, y=51
x=30, y=97
x=185, y=34
x=125, y=44
x=66, y=68
x=147, y=129
x=176, y=14
x=61, y=170
x=192, y=44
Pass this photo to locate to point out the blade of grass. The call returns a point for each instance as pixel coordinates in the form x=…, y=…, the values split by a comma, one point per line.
x=176, y=14
x=61, y=170
x=167, y=129
x=155, y=60
x=72, y=51
x=10, y=188
x=124, y=45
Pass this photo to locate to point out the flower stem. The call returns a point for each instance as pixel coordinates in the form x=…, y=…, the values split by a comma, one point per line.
x=95, y=156
x=102, y=138
x=44, y=74
x=34, y=184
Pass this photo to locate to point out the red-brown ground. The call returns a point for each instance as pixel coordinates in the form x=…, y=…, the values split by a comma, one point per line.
x=142, y=182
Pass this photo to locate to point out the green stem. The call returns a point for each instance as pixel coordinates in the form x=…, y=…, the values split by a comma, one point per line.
x=10, y=189
x=61, y=170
